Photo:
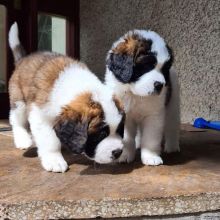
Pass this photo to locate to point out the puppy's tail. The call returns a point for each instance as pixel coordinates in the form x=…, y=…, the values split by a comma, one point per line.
x=15, y=44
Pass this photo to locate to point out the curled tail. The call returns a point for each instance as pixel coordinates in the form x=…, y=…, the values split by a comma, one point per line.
x=15, y=44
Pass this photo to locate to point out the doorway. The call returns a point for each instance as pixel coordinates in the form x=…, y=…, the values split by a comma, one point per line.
x=43, y=25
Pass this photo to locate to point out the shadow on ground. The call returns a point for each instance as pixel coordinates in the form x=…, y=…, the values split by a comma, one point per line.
x=194, y=146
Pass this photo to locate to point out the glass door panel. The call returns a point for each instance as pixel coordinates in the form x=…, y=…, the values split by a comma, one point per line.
x=51, y=33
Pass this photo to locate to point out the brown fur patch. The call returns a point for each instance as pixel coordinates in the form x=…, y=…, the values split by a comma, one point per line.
x=119, y=105
x=35, y=75
x=84, y=109
x=159, y=66
x=128, y=46
x=133, y=45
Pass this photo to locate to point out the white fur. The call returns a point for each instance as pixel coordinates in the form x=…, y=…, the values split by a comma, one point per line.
x=18, y=120
x=49, y=146
x=68, y=86
x=145, y=85
x=76, y=80
x=152, y=128
x=72, y=82
x=13, y=36
x=145, y=110
x=112, y=116
x=158, y=43
x=105, y=148
x=150, y=158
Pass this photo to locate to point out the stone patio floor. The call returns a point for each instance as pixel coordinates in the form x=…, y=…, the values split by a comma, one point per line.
x=188, y=182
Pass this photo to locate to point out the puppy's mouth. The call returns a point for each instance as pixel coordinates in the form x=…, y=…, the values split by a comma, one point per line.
x=87, y=156
x=113, y=158
x=155, y=93
x=145, y=96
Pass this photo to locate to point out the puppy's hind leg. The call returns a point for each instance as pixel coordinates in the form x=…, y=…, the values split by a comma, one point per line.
x=18, y=121
x=129, y=150
x=48, y=144
x=172, y=123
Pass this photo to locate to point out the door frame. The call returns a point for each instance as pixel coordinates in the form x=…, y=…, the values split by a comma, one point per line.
x=25, y=14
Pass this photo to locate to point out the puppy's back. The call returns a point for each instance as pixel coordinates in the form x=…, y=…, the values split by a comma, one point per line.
x=34, y=76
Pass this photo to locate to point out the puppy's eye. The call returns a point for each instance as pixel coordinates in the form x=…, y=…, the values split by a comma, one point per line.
x=103, y=135
x=143, y=64
x=146, y=60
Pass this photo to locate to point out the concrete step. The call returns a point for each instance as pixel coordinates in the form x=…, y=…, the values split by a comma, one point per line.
x=188, y=182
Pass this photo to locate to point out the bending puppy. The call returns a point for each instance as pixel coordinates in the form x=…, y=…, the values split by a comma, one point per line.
x=138, y=69
x=64, y=103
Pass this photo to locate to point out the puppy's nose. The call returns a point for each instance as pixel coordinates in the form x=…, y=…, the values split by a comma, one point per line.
x=116, y=153
x=158, y=86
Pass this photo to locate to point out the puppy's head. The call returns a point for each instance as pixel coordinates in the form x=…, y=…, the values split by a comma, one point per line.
x=142, y=60
x=84, y=126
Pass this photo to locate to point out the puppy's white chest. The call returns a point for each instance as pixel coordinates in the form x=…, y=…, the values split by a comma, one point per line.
x=139, y=107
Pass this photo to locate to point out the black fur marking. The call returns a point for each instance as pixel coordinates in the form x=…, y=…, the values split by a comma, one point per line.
x=166, y=72
x=143, y=64
x=127, y=68
x=144, y=59
x=72, y=134
x=121, y=65
x=94, y=139
x=167, y=65
x=121, y=125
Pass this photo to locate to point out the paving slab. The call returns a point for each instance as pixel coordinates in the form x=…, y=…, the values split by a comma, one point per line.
x=188, y=182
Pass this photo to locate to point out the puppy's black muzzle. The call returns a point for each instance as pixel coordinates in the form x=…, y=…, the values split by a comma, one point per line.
x=116, y=153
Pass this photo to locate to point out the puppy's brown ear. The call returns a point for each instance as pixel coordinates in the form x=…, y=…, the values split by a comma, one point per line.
x=72, y=133
x=144, y=59
x=121, y=65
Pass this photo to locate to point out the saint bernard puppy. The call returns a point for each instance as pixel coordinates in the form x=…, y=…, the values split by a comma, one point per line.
x=139, y=70
x=64, y=103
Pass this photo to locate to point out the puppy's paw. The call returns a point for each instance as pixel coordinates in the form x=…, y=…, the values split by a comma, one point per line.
x=127, y=156
x=149, y=158
x=22, y=139
x=171, y=148
x=54, y=162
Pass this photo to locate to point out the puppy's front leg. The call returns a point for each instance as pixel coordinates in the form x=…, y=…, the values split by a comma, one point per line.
x=152, y=133
x=129, y=150
x=49, y=146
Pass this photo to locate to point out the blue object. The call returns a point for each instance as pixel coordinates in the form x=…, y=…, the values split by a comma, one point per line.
x=202, y=123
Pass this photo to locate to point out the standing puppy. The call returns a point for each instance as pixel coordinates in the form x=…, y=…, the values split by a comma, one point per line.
x=64, y=103
x=139, y=71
